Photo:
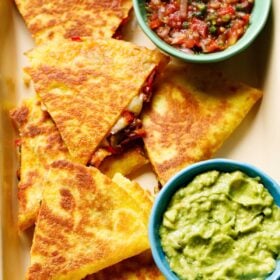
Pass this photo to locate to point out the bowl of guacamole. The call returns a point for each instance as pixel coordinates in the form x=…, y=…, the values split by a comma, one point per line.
x=217, y=220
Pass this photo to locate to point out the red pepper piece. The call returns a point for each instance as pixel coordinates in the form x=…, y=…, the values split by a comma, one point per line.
x=155, y=23
x=149, y=83
x=129, y=116
x=140, y=132
x=112, y=150
x=18, y=142
x=76, y=39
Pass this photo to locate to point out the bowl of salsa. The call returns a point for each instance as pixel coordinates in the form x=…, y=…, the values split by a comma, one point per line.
x=217, y=219
x=202, y=30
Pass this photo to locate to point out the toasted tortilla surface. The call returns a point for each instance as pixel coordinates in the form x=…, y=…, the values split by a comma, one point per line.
x=141, y=267
x=86, y=86
x=40, y=144
x=193, y=111
x=49, y=19
x=124, y=163
x=86, y=223
x=141, y=197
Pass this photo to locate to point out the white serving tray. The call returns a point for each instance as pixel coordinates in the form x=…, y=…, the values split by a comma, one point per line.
x=257, y=139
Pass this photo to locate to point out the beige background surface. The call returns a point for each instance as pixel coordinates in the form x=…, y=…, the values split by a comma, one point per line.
x=256, y=141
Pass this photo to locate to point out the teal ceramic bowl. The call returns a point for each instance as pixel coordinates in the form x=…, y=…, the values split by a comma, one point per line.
x=258, y=19
x=181, y=180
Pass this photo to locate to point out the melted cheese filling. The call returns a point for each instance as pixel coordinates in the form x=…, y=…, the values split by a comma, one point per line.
x=135, y=107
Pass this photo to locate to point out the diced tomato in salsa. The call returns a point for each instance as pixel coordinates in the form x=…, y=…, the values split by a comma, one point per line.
x=199, y=26
x=229, y=10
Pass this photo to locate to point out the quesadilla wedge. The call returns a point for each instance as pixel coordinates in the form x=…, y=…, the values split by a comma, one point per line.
x=94, y=91
x=86, y=223
x=124, y=163
x=141, y=267
x=194, y=109
x=48, y=19
x=40, y=144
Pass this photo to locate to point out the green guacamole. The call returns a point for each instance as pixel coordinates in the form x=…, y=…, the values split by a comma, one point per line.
x=222, y=226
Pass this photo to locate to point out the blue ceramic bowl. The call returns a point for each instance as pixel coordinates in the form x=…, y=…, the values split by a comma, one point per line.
x=181, y=180
x=257, y=21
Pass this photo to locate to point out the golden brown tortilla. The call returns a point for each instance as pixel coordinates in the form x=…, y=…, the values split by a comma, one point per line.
x=141, y=197
x=86, y=86
x=49, y=19
x=86, y=223
x=193, y=111
x=40, y=144
x=124, y=163
x=141, y=267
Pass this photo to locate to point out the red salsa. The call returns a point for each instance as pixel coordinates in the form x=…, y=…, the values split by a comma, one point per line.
x=199, y=26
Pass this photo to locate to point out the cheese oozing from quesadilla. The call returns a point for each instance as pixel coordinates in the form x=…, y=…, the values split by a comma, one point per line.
x=87, y=86
x=49, y=19
x=40, y=143
x=193, y=111
x=134, y=107
x=86, y=223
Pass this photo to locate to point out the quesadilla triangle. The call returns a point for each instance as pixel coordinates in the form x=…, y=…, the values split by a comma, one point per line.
x=48, y=19
x=141, y=267
x=94, y=91
x=193, y=111
x=86, y=223
x=40, y=144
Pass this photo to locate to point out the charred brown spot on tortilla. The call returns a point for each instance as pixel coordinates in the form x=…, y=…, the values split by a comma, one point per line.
x=33, y=130
x=78, y=29
x=54, y=141
x=67, y=201
x=20, y=116
x=35, y=270
x=28, y=182
x=48, y=241
x=45, y=74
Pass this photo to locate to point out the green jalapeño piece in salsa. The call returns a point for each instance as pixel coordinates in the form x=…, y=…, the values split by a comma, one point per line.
x=199, y=25
x=221, y=226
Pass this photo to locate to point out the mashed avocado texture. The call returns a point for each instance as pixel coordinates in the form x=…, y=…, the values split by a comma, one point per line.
x=222, y=226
